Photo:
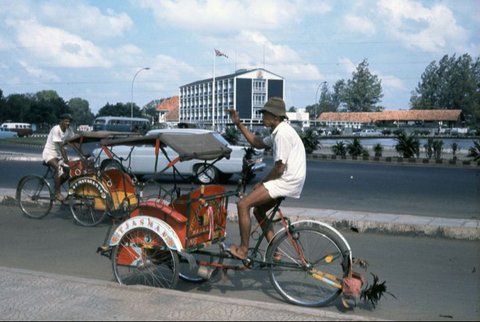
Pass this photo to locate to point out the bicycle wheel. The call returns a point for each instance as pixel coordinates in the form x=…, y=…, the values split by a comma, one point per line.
x=308, y=263
x=88, y=205
x=141, y=257
x=34, y=196
x=209, y=271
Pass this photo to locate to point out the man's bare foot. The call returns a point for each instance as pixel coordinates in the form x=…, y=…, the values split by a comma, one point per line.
x=237, y=252
x=59, y=197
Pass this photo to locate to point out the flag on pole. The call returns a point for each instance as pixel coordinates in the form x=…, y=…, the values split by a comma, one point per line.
x=219, y=53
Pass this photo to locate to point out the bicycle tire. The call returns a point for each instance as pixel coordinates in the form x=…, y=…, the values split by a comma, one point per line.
x=34, y=196
x=142, y=257
x=188, y=274
x=88, y=205
x=325, y=251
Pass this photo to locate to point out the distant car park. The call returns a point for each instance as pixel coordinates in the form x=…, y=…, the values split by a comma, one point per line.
x=369, y=132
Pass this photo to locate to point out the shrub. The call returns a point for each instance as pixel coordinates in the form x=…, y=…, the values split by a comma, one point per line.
x=378, y=150
x=407, y=146
x=355, y=149
x=474, y=151
x=339, y=149
x=231, y=135
x=455, y=148
x=310, y=140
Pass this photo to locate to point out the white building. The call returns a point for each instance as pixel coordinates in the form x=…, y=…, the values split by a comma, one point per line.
x=245, y=90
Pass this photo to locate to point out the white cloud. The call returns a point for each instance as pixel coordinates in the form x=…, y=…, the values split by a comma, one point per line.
x=347, y=65
x=56, y=46
x=85, y=20
x=220, y=16
x=124, y=55
x=359, y=24
x=256, y=49
x=38, y=72
x=430, y=30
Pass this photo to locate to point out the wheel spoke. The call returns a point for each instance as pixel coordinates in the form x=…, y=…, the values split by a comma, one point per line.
x=311, y=265
x=34, y=196
x=141, y=257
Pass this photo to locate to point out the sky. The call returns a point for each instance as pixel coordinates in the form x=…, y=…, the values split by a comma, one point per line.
x=96, y=50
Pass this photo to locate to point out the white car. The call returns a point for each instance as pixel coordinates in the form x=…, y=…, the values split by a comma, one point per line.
x=5, y=133
x=140, y=159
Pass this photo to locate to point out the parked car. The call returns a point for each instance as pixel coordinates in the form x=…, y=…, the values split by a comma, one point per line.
x=142, y=159
x=5, y=133
x=369, y=132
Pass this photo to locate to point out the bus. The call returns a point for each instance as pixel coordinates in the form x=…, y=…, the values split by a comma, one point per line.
x=121, y=124
x=22, y=129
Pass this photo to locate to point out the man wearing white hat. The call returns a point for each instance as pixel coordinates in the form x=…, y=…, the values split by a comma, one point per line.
x=285, y=179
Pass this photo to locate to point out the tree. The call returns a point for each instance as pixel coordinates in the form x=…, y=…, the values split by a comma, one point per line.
x=310, y=109
x=363, y=92
x=407, y=146
x=119, y=109
x=339, y=148
x=47, y=107
x=329, y=101
x=231, y=134
x=3, y=106
x=326, y=102
x=474, y=151
x=451, y=84
x=310, y=140
x=17, y=108
x=81, y=111
x=356, y=149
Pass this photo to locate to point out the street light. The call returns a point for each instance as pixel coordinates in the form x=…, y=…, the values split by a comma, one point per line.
x=133, y=80
x=316, y=100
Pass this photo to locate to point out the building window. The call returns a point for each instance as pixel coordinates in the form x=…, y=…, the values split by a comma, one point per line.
x=259, y=85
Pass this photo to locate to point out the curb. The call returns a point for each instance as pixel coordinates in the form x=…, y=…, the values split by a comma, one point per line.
x=362, y=222
x=399, y=224
x=88, y=299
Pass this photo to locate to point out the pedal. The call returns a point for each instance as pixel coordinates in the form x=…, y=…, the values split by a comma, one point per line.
x=223, y=248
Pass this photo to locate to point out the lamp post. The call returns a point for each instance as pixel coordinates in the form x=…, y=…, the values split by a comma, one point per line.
x=316, y=100
x=131, y=93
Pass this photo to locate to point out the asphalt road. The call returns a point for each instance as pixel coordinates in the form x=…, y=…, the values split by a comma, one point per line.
x=449, y=192
x=432, y=279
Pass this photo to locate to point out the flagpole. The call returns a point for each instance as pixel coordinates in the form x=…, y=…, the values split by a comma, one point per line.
x=213, y=93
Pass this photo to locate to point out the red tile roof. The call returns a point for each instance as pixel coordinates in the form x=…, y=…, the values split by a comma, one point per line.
x=171, y=105
x=400, y=115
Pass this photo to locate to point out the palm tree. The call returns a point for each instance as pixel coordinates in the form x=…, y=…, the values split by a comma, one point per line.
x=378, y=149
x=310, y=140
x=437, y=149
x=231, y=135
x=474, y=151
x=339, y=149
x=455, y=148
x=407, y=146
x=355, y=149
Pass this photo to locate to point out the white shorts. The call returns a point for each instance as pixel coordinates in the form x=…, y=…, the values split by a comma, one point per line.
x=280, y=188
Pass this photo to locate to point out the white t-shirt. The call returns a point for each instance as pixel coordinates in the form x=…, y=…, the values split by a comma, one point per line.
x=56, y=135
x=288, y=147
